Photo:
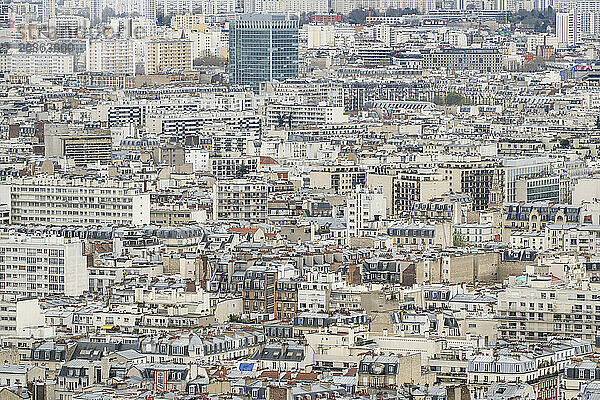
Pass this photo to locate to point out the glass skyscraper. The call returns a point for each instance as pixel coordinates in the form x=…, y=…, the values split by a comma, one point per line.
x=262, y=48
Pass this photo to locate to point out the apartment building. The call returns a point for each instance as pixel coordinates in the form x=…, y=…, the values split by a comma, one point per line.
x=303, y=115
x=83, y=146
x=364, y=206
x=420, y=236
x=198, y=123
x=313, y=296
x=452, y=208
x=535, y=216
x=240, y=200
x=481, y=179
x=42, y=63
x=67, y=27
x=541, y=366
x=412, y=186
x=18, y=314
x=42, y=266
x=537, y=308
x=475, y=234
x=232, y=165
x=75, y=201
x=485, y=60
x=286, y=299
x=258, y=290
x=192, y=22
x=114, y=56
x=579, y=239
x=388, y=271
x=167, y=55
x=340, y=179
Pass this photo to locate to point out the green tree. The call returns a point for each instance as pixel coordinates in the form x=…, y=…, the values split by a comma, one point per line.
x=358, y=16
x=458, y=240
x=455, y=99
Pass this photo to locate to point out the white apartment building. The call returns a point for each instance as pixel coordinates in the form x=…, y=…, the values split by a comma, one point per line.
x=75, y=201
x=240, y=200
x=567, y=31
x=527, y=240
x=42, y=63
x=42, y=266
x=301, y=6
x=114, y=56
x=17, y=314
x=538, y=308
x=364, y=205
x=67, y=27
x=298, y=115
x=582, y=239
x=313, y=296
x=320, y=36
x=208, y=43
x=199, y=158
x=476, y=234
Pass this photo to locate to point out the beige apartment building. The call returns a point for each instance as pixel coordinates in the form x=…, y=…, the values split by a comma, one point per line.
x=167, y=55
x=539, y=308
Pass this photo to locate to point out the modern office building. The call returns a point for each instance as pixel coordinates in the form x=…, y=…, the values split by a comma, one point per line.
x=262, y=48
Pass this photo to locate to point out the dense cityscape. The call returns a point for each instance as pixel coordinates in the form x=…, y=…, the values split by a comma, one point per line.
x=300, y=199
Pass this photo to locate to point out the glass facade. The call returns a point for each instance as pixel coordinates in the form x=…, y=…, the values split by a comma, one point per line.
x=262, y=48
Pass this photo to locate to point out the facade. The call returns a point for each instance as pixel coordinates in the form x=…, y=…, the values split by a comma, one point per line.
x=167, y=55
x=262, y=49
x=75, y=201
x=240, y=200
x=83, y=147
x=412, y=186
x=481, y=179
x=42, y=63
x=364, y=206
x=486, y=60
x=114, y=56
x=38, y=267
x=258, y=291
x=286, y=299
x=539, y=309
x=297, y=115
x=340, y=179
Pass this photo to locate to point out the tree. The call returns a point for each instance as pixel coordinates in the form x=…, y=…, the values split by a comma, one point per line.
x=455, y=99
x=209, y=61
x=564, y=143
x=357, y=16
x=107, y=14
x=458, y=240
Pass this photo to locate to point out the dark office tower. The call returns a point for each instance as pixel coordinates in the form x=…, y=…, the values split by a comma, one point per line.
x=262, y=48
